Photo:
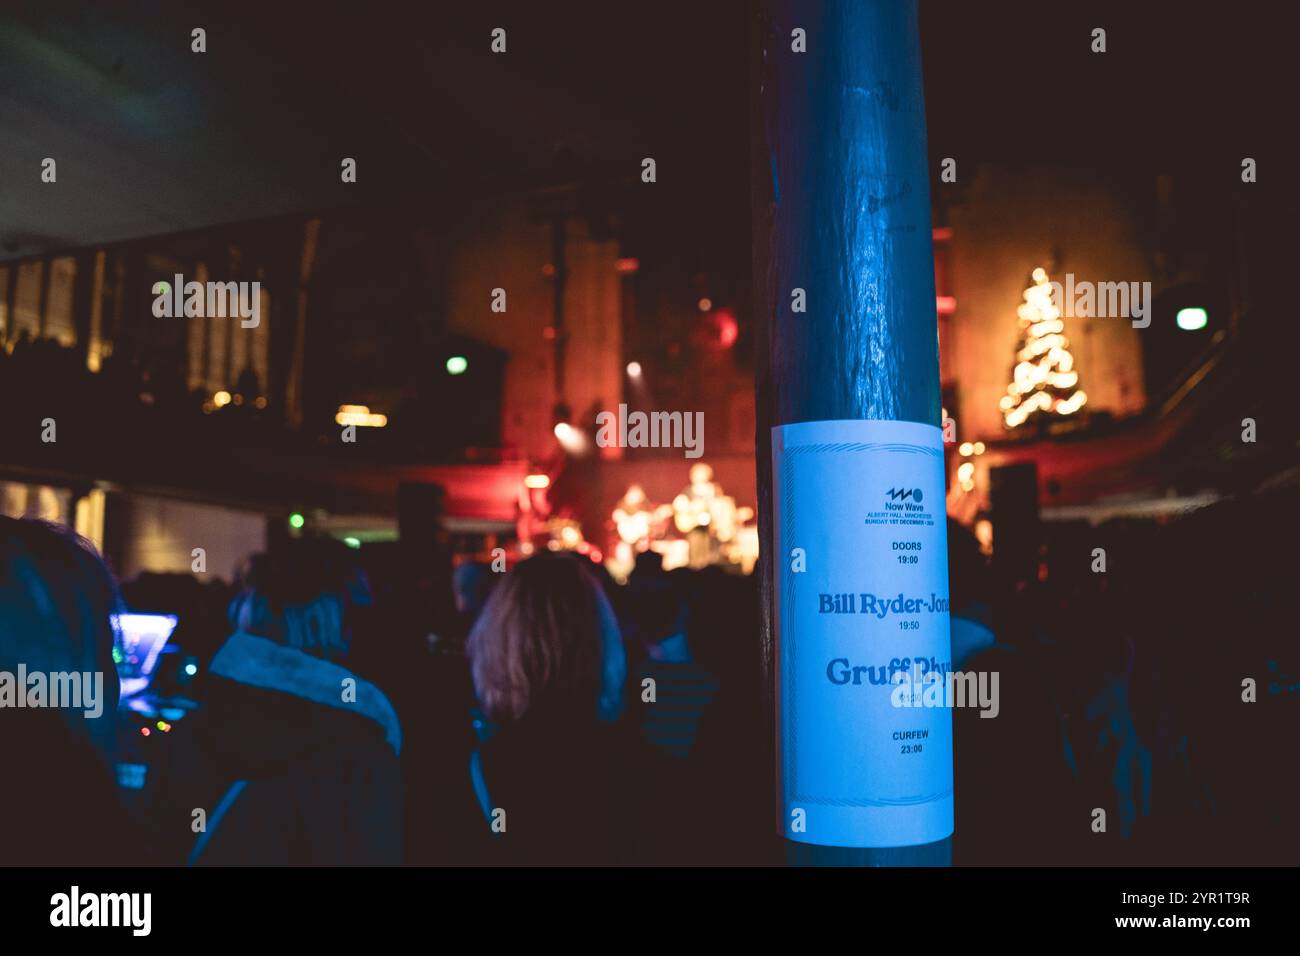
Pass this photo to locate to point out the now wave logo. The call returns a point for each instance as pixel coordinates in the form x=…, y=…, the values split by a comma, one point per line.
x=902, y=494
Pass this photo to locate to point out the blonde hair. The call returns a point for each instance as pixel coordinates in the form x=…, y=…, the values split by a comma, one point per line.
x=541, y=635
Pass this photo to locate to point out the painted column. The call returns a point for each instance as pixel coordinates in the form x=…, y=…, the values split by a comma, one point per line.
x=850, y=463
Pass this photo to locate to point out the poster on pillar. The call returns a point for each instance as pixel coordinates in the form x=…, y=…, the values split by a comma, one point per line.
x=863, y=639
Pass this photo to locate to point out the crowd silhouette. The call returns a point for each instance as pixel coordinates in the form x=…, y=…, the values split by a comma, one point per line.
x=387, y=706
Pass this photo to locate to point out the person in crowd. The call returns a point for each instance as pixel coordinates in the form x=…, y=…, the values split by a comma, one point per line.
x=672, y=691
x=58, y=801
x=559, y=779
x=472, y=584
x=294, y=758
x=731, y=762
x=989, y=752
x=421, y=654
x=970, y=595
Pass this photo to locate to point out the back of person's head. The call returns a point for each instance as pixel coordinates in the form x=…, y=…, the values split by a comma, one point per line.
x=302, y=595
x=546, y=634
x=57, y=601
x=656, y=609
x=648, y=563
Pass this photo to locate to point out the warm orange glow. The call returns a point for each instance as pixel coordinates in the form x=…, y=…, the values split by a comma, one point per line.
x=361, y=416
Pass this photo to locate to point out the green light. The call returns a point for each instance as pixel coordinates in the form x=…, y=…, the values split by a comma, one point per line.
x=296, y=520
x=457, y=364
x=352, y=542
x=1189, y=320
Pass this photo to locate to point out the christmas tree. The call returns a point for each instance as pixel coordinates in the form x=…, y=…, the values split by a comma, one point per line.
x=1044, y=379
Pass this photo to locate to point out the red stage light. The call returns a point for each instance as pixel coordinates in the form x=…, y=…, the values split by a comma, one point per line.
x=728, y=329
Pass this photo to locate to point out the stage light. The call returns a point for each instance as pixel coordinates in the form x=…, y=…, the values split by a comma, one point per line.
x=221, y=399
x=727, y=328
x=352, y=542
x=1190, y=320
x=634, y=369
x=570, y=438
x=191, y=669
x=705, y=304
x=457, y=364
x=296, y=520
x=537, y=481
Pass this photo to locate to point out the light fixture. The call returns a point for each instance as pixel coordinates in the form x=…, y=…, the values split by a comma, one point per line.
x=634, y=369
x=537, y=481
x=457, y=364
x=361, y=416
x=571, y=439
x=1190, y=320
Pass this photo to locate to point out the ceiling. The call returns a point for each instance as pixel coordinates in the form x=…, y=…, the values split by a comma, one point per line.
x=151, y=138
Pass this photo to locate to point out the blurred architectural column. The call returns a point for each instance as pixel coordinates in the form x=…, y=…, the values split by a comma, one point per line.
x=293, y=391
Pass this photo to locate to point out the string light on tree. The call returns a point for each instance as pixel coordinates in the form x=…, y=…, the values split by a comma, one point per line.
x=1044, y=378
